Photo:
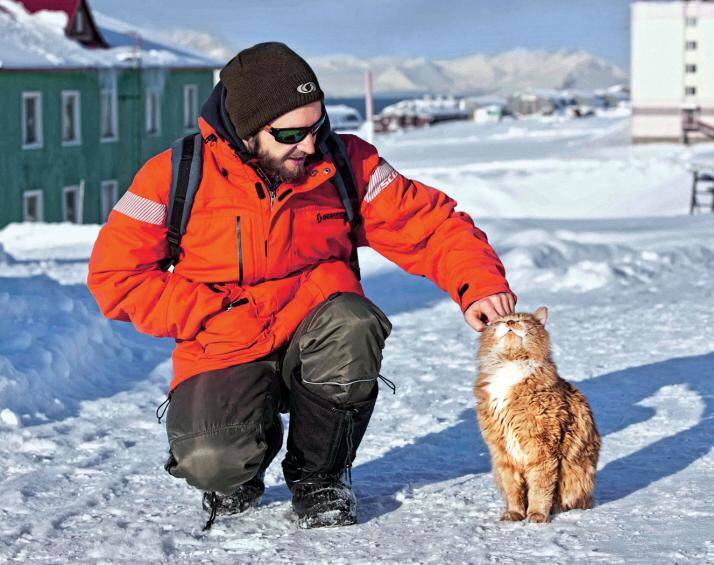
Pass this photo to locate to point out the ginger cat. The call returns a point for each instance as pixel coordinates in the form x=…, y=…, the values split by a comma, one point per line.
x=539, y=428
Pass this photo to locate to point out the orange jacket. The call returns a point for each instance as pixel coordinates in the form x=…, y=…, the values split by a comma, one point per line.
x=277, y=260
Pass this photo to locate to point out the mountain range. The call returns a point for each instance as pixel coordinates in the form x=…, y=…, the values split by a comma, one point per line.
x=477, y=74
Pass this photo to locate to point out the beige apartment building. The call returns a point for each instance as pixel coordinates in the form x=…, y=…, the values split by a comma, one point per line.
x=672, y=70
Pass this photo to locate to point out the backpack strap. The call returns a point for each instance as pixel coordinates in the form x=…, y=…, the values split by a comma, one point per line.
x=335, y=148
x=186, y=171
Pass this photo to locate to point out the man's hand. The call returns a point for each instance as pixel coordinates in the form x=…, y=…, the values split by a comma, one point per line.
x=486, y=310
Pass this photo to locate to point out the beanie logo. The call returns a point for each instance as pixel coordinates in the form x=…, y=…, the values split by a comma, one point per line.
x=307, y=88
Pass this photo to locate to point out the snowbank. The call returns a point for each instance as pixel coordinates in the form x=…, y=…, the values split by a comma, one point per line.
x=56, y=349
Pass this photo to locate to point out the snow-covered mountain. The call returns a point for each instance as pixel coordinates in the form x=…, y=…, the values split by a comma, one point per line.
x=342, y=75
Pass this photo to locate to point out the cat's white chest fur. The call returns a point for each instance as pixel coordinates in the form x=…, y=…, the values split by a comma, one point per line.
x=503, y=379
x=500, y=384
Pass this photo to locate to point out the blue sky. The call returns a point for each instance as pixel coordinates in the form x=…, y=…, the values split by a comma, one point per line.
x=428, y=28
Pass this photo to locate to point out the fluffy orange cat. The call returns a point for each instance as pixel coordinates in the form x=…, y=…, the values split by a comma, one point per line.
x=539, y=428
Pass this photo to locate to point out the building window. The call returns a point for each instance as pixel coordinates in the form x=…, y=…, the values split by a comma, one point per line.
x=109, y=189
x=72, y=203
x=32, y=206
x=153, y=112
x=691, y=45
x=690, y=91
x=31, y=120
x=108, y=115
x=691, y=22
x=71, y=131
x=190, y=106
x=690, y=68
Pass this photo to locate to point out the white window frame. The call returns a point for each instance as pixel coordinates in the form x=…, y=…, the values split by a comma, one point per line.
x=150, y=93
x=690, y=68
x=691, y=21
x=690, y=45
x=77, y=126
x=40, y=205
x=190, y=114
x=38, y=143
x=79, y=189
x=690, y=90
x=104, y=207
x=114, y=117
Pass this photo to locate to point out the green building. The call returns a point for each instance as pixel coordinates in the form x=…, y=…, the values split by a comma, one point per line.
x=83, y=107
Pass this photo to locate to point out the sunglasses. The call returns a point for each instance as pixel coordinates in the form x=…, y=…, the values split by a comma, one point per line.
x=291, y=136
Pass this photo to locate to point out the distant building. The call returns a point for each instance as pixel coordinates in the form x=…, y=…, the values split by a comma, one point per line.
x=672, y=70
x=84, y=106
x=420, y=112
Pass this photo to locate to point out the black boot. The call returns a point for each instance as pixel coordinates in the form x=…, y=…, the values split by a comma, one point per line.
x=323, y=501
x=322, y=443
x=246, y=496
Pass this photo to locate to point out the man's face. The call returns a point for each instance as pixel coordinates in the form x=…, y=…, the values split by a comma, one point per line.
x=279, y=160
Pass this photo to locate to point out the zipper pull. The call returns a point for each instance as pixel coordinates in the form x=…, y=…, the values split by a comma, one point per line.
x=272, y=197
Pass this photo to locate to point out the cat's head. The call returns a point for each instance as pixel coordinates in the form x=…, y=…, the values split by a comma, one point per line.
x=518, y=336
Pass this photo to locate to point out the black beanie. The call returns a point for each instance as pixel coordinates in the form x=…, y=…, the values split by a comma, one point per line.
x=266, y=81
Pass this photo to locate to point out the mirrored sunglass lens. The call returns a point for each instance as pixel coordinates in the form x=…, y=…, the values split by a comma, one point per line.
x=291, y=135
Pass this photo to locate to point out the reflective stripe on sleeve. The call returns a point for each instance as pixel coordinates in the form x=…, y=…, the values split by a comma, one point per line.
x=141, y=209
x=381, y=178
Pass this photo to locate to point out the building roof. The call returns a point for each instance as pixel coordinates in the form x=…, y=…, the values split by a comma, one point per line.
x=89, y=35
x=37, y=40
x=69, y=7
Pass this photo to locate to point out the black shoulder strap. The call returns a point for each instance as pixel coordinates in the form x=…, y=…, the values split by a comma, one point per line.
x=186, y=170
x=335, y=148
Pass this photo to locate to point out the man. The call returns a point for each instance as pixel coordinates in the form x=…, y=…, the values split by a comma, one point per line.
x=267, y=314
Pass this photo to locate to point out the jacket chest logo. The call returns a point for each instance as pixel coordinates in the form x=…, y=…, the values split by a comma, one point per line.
x=332, y=216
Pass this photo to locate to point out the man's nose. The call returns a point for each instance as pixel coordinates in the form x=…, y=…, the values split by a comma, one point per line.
x=307, y=145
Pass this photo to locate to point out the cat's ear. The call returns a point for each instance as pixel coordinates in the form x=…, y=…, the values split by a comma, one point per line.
x=541, y=315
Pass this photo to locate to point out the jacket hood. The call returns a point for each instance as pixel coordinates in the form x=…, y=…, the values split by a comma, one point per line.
x=215, y=114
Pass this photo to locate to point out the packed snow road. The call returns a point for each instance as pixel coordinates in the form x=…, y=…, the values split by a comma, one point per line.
x=88, y=483
x=631, y=317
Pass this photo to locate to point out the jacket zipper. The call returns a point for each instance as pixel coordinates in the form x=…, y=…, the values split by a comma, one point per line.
x=240, y=251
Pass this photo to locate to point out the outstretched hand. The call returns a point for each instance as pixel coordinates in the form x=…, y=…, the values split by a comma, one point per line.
x=486, y=310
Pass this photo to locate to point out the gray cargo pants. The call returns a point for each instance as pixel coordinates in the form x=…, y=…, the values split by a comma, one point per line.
x=224, y=426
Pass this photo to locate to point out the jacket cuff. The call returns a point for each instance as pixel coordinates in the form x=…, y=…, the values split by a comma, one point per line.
x=470, y=293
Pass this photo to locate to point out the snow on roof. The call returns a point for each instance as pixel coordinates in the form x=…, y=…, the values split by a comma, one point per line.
x=426, y=106
x=38, y=41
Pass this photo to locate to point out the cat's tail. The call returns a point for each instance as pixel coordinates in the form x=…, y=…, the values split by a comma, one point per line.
x=575, y=485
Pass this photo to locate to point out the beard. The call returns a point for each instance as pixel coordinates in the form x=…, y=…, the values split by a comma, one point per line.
x=281, y=168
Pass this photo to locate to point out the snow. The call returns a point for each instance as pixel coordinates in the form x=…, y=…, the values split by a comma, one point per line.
x=38, y=41
x=628, y=278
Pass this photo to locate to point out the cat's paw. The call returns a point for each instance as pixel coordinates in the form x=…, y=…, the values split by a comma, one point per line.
x=511, y=516
x=537, y=517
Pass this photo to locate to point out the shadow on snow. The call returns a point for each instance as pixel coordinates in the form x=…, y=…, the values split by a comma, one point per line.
x=459, y=450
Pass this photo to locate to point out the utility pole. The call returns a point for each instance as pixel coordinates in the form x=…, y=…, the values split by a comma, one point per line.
x=368, y=105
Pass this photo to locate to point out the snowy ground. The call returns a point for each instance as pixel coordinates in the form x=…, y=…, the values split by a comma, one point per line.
x=631, y=298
